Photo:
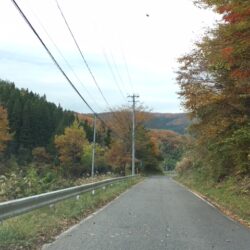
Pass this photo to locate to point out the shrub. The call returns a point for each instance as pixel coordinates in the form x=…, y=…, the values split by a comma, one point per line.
x=183, y=165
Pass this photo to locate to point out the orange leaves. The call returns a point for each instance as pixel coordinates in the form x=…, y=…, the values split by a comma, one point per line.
x=87, y=118
x=240, y=74
x=227, y=53
x=224, y=8
x=161, y=136
x=219, y=104
x=234, y=12
x=118, y=155
x=233, y=17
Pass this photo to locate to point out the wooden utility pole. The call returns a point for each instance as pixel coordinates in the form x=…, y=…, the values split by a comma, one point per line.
x=133, y=131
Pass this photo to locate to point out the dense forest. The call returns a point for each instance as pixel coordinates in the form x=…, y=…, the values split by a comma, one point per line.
x=178, y=122
x=33, y=121
x=43, y=147
x=39, y=143
x=214, y=80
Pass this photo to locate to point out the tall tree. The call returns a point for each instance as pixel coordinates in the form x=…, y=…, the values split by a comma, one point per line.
x=119, y=154
x=70, y=146
x=214, y=80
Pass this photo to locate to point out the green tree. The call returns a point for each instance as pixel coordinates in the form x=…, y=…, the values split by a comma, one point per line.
x=32, y=120
x=100, y=158
x=70, y=146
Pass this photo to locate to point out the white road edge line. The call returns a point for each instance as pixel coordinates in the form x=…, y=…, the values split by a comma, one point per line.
x=74, y=227
x=210, y=204
x=193, y=192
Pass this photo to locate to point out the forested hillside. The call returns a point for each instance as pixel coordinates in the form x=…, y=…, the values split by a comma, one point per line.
x=169, y=121
x=177, y=122
x=43, y=147
x=33, y=121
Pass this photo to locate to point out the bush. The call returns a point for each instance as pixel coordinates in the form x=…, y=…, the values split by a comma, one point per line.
x=21, y=184
x=40, y=155
x=185, y=164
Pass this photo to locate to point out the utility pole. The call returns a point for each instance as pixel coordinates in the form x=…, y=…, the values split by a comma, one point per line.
x=93, y=150
x=133, y=131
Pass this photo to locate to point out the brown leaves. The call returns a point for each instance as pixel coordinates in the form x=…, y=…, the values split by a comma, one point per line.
x=5, y=136
x=240, y=74
x=41, y=155
x=227, y=53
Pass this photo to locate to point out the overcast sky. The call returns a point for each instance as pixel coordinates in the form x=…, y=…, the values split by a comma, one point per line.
x=141, y=40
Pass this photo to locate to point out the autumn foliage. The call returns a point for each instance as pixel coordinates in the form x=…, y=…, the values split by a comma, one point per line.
x=214, y=80
x=70, y=147
x=5, y=136
x=119, y=154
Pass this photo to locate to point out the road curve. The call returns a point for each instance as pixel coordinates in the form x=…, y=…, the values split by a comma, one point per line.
x=157, y=214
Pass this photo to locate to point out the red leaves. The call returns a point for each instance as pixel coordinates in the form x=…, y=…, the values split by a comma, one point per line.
x=234, y=13
x=240, y=74
x=227, y=52
x=224, y=8
x=234, y=17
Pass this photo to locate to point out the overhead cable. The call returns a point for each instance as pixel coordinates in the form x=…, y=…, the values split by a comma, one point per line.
x=113, y=74
x=85, y=61
x=55, y=61
x=81, y=53
x=58, y=66
x=65, y=60
x=50, y=54
x=117, y=71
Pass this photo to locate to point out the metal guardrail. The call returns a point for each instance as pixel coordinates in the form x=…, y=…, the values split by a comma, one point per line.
x=23, y=205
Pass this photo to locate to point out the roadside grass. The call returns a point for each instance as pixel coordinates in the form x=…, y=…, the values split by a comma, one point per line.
x=229, y=196
x=17, y=186
x=170, y=173
x=32, y=230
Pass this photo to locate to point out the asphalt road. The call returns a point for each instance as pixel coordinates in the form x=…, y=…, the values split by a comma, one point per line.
x=155, y=215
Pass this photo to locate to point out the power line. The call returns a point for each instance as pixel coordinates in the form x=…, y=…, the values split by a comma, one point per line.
x=65, y=60
x=50, y=54
x=113, y=74
x=125, y=62
x=117, y=70
x=59, y=67
x=127, y=70
x=56, y=63
x=81, y=53
x=108, y=63
x=85, y=61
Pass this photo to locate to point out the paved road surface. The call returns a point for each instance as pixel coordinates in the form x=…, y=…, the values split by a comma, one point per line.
x=155, y=215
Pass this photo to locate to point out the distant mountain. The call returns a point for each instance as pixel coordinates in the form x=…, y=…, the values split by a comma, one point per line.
x=178, y=122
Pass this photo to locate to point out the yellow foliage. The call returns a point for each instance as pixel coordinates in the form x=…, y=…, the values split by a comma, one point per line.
x=70, y=145
x=5, y=136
